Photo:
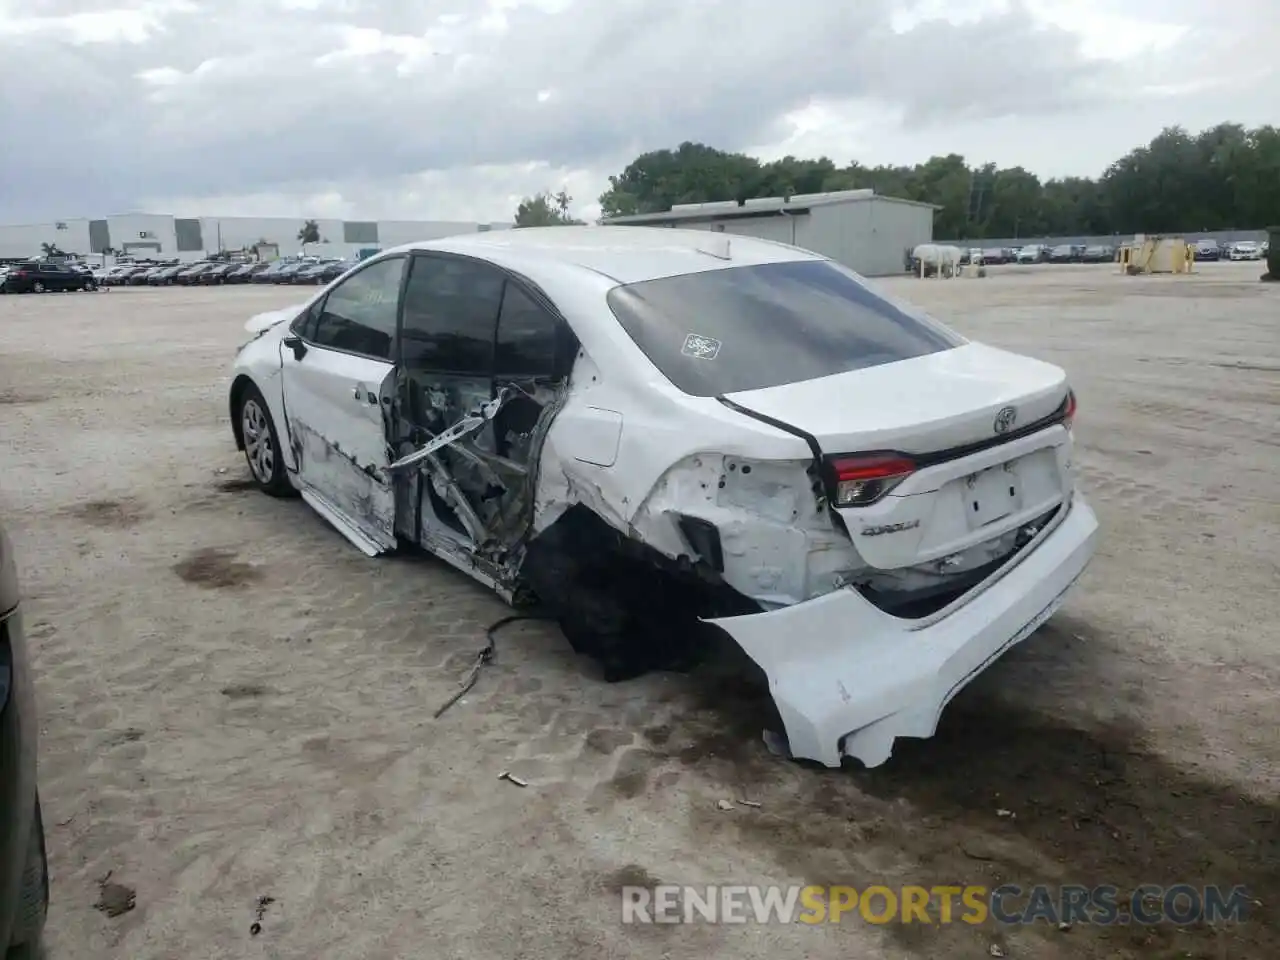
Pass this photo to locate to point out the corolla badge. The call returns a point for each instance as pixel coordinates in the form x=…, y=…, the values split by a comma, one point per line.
x=1005, y=420
x=881, y=530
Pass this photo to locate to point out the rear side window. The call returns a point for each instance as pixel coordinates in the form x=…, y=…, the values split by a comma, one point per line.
x=450, y=316
x=528, y=336
x=744, y=328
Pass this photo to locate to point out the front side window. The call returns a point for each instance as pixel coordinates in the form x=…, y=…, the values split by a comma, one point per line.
x=359, y=315
x=744, y=328
x=450, y=315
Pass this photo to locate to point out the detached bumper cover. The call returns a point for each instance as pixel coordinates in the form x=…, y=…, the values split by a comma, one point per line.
x=848, y=679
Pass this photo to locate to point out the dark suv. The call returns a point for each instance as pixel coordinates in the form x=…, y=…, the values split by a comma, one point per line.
x=39, y=276
x=24, y=869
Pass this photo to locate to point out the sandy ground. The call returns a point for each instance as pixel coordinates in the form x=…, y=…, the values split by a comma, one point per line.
x=236, y=704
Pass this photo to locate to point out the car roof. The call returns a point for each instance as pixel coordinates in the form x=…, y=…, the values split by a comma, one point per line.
x=624, y=254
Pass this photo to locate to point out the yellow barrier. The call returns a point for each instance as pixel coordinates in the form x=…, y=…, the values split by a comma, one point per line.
x=1157, y=255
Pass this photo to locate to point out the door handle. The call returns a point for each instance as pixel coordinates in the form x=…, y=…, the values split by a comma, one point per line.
x=360, y=393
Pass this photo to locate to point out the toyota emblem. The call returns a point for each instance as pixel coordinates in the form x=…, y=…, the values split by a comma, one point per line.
x=1005, y=420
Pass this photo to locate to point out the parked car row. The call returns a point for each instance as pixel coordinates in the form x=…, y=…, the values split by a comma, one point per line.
x=1106, y=253
x=1211, y=250
x=217, y=273
x=1041, y=253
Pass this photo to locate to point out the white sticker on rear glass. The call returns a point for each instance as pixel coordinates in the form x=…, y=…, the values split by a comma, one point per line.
x=700, y=347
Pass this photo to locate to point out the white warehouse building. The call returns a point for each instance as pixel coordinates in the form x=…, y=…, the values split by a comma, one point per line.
x=163, y=237
x=864, y=231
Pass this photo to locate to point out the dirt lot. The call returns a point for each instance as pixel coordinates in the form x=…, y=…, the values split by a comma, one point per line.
x=238, y=705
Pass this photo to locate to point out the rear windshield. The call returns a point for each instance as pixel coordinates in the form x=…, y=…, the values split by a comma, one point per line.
x=744, y=328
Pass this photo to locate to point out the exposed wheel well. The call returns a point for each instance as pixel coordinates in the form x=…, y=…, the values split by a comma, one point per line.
x=239, y=387
x=619, y=600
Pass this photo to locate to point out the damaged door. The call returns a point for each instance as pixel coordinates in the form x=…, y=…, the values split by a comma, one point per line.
x=337, y=371
x=482, y=356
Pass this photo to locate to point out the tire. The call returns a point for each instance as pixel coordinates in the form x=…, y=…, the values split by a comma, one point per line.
x=37, y=287
x=262, y=451
x=33, y=898
x=88, y=287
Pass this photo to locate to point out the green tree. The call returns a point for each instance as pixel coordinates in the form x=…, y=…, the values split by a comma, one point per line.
x=1226, y=177
x=309, y=233
x=50, y=250
x=545, y=210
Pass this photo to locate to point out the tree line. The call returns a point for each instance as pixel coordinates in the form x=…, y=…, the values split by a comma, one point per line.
x=1226, y=177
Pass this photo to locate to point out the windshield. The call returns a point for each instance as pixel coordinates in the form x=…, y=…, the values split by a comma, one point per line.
x=744, y=328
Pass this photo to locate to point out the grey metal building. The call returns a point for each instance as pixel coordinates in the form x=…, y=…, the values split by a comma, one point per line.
x=858, y=228
x=191, y=238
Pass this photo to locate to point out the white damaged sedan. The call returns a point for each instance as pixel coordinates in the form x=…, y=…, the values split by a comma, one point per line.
x=647, y=428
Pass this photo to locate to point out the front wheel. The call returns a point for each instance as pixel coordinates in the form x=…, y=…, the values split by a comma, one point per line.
x=37, y=287
x=262, y=445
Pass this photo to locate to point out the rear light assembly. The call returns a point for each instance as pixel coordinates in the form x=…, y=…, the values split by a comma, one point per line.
x=862, y=479
x=1069, y=416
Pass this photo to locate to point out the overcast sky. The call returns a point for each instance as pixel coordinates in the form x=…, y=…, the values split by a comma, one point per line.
x=454, y=109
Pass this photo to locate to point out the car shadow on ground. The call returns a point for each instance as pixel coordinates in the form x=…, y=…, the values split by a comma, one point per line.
x=1002, y=794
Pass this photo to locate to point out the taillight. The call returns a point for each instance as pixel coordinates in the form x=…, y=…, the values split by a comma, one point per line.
x=863, y=479
x=1070, y=415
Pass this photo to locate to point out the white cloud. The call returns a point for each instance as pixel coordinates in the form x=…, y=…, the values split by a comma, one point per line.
x=454, y=109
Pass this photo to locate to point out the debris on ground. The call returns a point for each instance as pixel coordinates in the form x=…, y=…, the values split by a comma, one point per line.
x=724, y=804
x=484, y=657
x=260, y=914
x=749, y=803
x=512, y=778
x=996, y=950
x=1002, y=812
x=114, y=899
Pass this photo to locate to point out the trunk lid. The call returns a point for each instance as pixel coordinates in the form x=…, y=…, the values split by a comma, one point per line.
x=981, y=470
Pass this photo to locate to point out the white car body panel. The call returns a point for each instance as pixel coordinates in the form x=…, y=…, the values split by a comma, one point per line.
x=640, y=454
x=265, y=321
x=259, y=361
x=333, y=403
x=848, y=679
x=883, y=407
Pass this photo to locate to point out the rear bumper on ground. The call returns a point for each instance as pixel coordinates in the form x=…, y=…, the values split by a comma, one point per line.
x=848, y=679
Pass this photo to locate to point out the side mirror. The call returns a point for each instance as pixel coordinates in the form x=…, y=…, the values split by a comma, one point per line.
x=296, y=345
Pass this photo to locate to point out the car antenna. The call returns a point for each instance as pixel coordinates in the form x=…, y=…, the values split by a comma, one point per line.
x=717, y=247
